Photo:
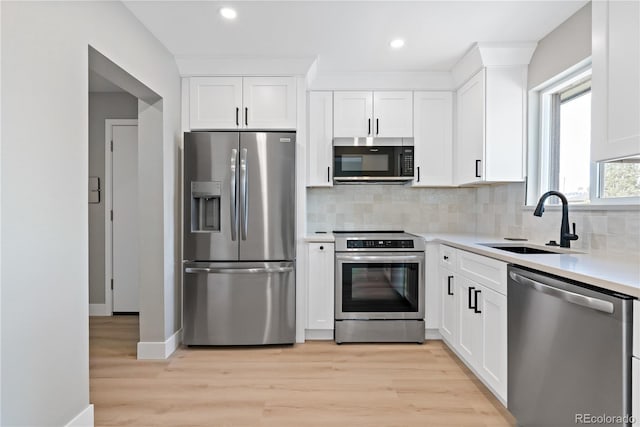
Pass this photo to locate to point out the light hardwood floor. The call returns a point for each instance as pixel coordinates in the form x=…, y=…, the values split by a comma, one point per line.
x=317, y=383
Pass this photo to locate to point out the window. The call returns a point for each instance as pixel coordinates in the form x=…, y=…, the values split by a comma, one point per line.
x=560, y=148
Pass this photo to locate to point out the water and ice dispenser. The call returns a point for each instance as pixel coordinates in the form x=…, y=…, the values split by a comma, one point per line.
x=205, y=206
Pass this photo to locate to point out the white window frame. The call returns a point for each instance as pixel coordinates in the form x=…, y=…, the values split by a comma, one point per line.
x=540, y=140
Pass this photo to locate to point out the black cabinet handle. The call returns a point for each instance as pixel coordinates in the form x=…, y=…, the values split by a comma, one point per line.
x=475, y=294
x=470, y=289
x=377, y=127
x=449, y=291
x=418, y=173
x=445, y=257
x=322, y=248
x=478, y=169
x=328, y=173
x=237, y=116
x=369, y=127
x=246, y=116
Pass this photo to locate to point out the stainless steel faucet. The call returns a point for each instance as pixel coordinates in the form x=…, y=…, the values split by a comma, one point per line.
x=565, y=235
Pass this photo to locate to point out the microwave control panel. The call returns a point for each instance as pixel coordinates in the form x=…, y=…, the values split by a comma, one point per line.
x=407, y=162
x=380, y=244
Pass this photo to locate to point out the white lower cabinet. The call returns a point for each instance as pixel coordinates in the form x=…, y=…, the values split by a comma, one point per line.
x=493, y=357
x=635, y=390
x=320, y=279
x=448, y=321
x=474, y=317
x=469, y=340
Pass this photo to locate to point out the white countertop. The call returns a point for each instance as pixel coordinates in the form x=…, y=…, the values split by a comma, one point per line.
x=613, y=273
x=319, y=238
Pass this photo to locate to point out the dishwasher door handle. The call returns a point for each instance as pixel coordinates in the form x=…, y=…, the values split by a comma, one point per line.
x=572, y=297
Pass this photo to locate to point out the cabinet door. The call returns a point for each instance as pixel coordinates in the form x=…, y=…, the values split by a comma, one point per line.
x=215, y=102
x=635, y=390
x=469, y=326
x=449, y=298
x=393, y=114
x=320, y=301
x=269, y=102
x=470, y=135
x=352, y=114
x=493, y=357
x=433, y=141
x=615, y=83
x=320, y=151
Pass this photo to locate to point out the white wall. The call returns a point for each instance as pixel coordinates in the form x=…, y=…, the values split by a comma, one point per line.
x=562, y=48
x=44, y=173
x=102, y=106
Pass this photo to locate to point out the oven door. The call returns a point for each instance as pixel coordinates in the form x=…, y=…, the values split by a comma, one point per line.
x=383, y=285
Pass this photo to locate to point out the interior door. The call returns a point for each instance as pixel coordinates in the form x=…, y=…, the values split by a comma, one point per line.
x=210, y=192
x=124, y=189
x=267, y=196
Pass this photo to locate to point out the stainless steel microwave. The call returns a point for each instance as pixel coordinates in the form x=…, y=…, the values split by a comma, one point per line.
x=372, y=163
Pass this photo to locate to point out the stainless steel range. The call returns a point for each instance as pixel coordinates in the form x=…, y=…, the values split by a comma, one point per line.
x=379, y=287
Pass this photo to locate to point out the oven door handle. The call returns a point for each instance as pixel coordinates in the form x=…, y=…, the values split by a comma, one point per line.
x=379, y=258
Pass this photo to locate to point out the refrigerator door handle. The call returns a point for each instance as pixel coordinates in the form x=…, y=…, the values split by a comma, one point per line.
x=233, y=205
x=238, y=270
x=244, y=193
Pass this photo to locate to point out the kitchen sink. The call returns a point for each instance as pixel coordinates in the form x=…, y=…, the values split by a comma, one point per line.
x=522, y=249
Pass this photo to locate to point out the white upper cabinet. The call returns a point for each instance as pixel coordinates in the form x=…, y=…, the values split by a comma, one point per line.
x=269, y=102
x=615, y=82
x=242, y=103
x=215, y=102
x=320, y=150
x=352, y=114
x=433, y=139
x=491, y=125
x=373, y=114
x=393, y=114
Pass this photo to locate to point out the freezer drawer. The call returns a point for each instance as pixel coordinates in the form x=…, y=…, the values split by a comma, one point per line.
x=239, y=303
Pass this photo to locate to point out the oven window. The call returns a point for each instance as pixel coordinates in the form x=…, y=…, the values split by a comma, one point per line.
x=380, y=287
x=364, y=162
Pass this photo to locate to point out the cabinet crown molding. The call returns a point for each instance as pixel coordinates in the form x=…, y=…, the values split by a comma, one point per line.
x=491, y=55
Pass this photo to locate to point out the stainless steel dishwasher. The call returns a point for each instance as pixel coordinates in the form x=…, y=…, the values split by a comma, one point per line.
x=569, y=352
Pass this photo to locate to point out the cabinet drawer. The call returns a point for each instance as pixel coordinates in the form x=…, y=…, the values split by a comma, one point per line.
x=636, y=330
x=486, y=271
x=447, y=257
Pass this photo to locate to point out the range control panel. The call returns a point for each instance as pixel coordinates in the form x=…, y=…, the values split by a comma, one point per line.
x=379, y=244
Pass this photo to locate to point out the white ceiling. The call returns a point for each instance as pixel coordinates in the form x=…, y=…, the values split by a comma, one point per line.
x=348, y=35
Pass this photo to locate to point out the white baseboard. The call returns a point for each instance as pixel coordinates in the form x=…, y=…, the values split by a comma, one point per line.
x=99, y=310
x=432, y=334
x=83, y=419
x=318, y=334
x=159, y=350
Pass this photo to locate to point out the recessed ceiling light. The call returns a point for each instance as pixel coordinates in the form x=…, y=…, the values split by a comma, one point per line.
x=228, y=13
x=396, y=43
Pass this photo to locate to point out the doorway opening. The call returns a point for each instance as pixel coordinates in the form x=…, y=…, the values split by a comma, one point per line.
x=125, y=119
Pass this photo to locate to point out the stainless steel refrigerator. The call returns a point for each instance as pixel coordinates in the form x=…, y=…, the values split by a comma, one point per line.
x=239, y=238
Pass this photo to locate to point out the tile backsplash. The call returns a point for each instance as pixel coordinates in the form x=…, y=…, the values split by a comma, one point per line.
x=500, y=213
x=493, y=210
x=368, y=207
